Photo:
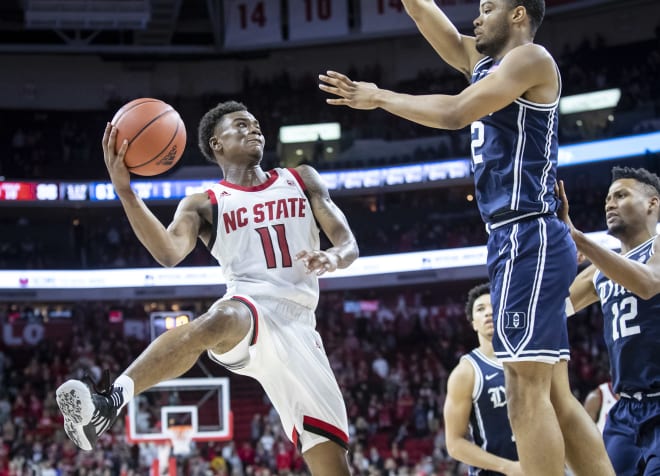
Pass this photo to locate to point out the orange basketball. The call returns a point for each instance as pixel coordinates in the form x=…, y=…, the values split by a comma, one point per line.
x=156, y=135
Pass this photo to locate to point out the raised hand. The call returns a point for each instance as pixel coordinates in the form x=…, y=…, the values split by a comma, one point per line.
x=114, y=159
x=355, y=94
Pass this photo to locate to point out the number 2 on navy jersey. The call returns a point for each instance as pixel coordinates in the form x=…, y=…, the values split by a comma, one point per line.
x=269, y=248
x=478, y=139
x=622, y=315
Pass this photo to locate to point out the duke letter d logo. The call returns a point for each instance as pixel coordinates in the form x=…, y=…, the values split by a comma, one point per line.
x=515, y=320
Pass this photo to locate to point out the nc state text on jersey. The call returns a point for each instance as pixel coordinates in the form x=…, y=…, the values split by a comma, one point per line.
x=264, y=212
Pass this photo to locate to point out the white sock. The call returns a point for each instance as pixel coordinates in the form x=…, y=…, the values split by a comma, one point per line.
x=125, y=385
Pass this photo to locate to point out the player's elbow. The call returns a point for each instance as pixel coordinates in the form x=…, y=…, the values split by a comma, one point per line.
x=453, y=447
x=648, y=291
x=168, y=260
x=166, y=263
x=454, y=118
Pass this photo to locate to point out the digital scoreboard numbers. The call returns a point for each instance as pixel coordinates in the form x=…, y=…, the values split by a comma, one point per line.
x=252, y=23
x=317, y=19
x=162, y=321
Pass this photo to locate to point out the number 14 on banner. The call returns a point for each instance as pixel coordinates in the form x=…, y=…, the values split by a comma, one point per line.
x=384, y=16
x=252, y=23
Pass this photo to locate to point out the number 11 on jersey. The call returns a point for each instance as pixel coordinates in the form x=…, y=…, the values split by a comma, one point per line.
x=269, y=247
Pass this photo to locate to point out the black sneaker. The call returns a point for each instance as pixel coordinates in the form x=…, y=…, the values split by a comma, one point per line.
x=87, y=414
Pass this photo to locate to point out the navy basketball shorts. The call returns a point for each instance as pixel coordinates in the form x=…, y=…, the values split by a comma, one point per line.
x=632, y=436
x=531, y=265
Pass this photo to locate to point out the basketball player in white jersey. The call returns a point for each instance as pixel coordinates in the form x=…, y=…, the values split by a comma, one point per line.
x=262, y=227
x=598, y=403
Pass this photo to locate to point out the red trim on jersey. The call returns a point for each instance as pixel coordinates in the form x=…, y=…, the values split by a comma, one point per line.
x=294, y=437
x=255, y=317
x=325, y=429
x=214, y=225
x=272, y=176
x=295, y=173
x=212, y=197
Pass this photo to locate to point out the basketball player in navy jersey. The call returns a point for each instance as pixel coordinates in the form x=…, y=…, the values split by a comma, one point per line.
x=262, y=227
x=627, y=284
x=511, y=105
x=476, y=400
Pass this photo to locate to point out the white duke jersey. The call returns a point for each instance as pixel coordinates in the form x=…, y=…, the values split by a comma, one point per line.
x=257, y=232
x=607, y=400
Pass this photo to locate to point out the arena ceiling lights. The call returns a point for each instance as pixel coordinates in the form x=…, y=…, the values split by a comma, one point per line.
x=594, y=101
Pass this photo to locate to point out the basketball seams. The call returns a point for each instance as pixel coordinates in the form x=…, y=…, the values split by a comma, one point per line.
x=145, y=125
x=121, y=113
x=174, y=135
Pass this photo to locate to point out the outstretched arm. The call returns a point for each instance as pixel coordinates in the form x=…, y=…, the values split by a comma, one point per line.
x=169, y=246
x=456, y=412
x=523, y=69
x=641, y=279
x=582, y=291
x=344, y=248
x=457, y=50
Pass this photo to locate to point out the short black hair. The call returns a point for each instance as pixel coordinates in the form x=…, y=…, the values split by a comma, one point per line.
x=210, y=120
x=474, y=294
x=535, y=11
x=641, y=175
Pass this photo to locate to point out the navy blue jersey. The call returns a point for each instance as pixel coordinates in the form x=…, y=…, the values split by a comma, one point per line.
x=489, y=423
x=632, y=331
x=514, y=153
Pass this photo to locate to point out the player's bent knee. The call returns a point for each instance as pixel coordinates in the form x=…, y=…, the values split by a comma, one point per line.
x=223, y=326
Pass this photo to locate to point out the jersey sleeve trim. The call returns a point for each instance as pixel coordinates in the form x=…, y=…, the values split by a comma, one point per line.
x=214, y=225
x=298, y=178
x=478, y=385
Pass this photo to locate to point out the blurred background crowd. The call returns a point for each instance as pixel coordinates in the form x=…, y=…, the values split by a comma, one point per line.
x=391, y=361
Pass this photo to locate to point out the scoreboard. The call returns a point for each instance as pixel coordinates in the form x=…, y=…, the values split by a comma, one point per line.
x=164, y=189
x=161, y=321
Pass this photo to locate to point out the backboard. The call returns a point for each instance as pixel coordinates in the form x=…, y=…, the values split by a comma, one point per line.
x=200, y=403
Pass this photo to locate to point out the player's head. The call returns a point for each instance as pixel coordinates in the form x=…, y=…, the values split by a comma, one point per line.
x=498, y=18
x=479, y=310
x=227, y=126
x=633, y=200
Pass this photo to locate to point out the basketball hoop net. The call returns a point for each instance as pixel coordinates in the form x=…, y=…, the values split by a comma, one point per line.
x=180, y=438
